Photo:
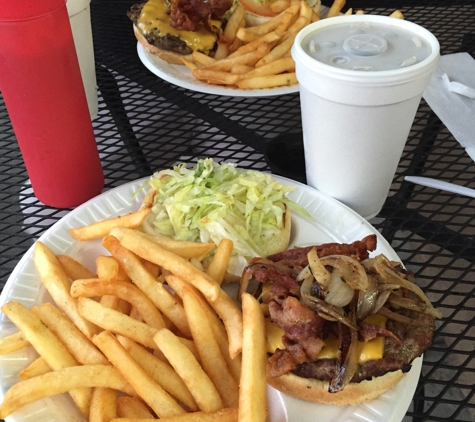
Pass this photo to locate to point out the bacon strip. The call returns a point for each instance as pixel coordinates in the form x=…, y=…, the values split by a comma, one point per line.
x=188, y=14
x=302, y=335
x=370, y=331
x=298, y=256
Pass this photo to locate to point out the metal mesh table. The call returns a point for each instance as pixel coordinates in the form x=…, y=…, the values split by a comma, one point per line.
x=146, y=124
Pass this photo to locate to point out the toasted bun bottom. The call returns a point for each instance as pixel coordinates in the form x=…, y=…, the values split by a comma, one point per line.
x=168, y=56
x=280, y=242
x=316, y=391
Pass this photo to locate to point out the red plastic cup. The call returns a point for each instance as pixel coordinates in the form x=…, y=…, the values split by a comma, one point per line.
x=44, y=94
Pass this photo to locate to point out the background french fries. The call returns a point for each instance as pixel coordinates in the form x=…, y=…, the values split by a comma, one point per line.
x=260, y=46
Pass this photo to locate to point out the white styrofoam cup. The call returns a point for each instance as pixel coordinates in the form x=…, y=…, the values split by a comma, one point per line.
x=356, y=122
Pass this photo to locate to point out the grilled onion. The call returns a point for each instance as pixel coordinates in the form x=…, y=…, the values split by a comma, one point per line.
x=325, y=310
x=339, y=292
x=347, y=357
x=352, y=272
x=382, y=266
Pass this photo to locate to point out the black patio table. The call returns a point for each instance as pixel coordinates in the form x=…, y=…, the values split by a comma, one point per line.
x=145, y=124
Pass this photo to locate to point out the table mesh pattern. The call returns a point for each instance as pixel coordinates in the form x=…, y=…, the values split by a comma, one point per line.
x=145, y=124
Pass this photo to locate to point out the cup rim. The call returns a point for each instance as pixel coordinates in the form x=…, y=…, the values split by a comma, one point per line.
x=385, y=77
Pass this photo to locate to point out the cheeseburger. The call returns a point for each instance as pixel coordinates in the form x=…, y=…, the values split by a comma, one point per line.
x=342, y=327
x=171, y=29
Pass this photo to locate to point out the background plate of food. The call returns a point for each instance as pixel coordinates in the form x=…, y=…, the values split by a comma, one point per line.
x=329, y=221
x=181, y=76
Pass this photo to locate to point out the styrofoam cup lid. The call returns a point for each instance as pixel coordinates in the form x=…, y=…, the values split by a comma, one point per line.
x=366, y=47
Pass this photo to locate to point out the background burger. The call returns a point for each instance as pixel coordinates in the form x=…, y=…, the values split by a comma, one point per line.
x=171, y=29
x=342, y=328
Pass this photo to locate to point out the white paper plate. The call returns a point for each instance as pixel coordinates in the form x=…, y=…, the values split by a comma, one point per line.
x=333, y=221
x=181, y=76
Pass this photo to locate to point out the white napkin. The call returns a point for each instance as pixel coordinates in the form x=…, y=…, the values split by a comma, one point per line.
x=451, y=95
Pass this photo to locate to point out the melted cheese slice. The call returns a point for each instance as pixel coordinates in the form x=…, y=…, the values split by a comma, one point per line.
x=155, y=16
x=370, y=350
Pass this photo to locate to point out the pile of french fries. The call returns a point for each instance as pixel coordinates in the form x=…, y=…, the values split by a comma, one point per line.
x=259, y=57
x=150, y=334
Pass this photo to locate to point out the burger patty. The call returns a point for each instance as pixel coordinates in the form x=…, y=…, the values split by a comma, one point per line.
x=415, y=340
x=155, y=38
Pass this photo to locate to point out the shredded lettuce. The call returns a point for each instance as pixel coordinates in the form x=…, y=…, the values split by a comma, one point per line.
x=213, y=201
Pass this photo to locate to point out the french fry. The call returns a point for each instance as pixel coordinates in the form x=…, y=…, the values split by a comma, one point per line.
x=117, y=322
x=132, y=407
x=152, y=268
x=123, y=290
x=349, y=11
x=241, y=69
x=110, y=301
x=154, y=290
x=57, y=283
x=231, y=316
x=47, y=345
x=359, y=12
x=223, y=415
x=284, y=79
x=277, y=52
x=221, y=51
x=160, y=372
x=148, y=199
x=107, y=268
x=152, y=252
x=102, y=228
x=135, y=314
x=34, y=369
x=283, y=64
x=288, y=19
x=12, y=343
x=220, y=261
x=182, y=248
x=279, y=6
x=252, y=390
x=253, y=45
x=73, y=268
x=228, y=312
x=62, y=381
x=335, y=8
x=185, y=364
x=217, y=326
x=103, y=405
x=315, y=16
x=305, y=11
x=212, y=360
x=203, y=59
x=151, y=392
x=75, y=341
x=397, y=14
x=233, y=24
x=189, y=64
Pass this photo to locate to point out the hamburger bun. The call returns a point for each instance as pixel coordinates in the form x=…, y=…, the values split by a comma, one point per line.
x=167, y=55
x=316, y=391
x=279, y=242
